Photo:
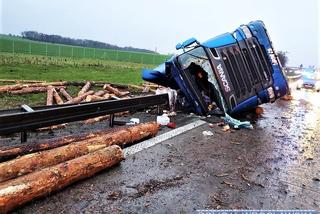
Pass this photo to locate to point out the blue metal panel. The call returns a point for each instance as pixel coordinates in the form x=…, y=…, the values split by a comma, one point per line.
x=245, y=105
x=222, y=40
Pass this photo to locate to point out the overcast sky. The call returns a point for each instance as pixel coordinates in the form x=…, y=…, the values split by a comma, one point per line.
x=160, y=24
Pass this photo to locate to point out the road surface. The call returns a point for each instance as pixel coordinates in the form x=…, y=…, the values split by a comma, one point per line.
x=274, y=166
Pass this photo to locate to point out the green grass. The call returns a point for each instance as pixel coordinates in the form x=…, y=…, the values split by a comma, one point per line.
x=28, y=67
x=10, y=44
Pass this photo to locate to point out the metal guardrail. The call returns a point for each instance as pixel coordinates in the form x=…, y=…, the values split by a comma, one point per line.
x=25, y=119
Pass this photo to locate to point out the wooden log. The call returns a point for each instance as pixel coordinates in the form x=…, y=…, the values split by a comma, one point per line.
x=50, y=95
x=92, y=98
x=29, y=90
x=115, y=90
x=20, y=81
x=103, y=117
x=8, y=88
x=26, y=148
x=50, y=128
x=78, y=99
x=85, y=88
x=57, y=97
x=100, y=93
x=35, y=161
x=14, y=193
x=65, y=94
x=107, y=96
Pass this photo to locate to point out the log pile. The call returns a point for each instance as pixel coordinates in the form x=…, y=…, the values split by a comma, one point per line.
x=57, y=91
x=90, y=91
x=38, y=169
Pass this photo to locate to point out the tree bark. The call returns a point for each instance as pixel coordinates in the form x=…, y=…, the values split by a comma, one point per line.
x=57, y=97
x=85, y=88
x=92, y=98
x=104, y=117
x=100, y=93
x=7, y=88
x=50, y=95
x=65, y=94
x=35, y=161
x=16, y=192
x=115, y=91
x=78, y=99
x=26, y=148
x=21, y=81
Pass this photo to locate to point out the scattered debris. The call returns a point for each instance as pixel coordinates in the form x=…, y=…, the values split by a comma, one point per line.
x=250, y=181
x=287, y=97
x=259, y=110
x=226, y=128
x=172, y=125
x=163, y=120
x=207, y=133
x=222, y=175
x=237, y=123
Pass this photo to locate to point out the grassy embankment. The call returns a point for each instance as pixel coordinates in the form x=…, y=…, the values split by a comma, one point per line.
x=26, y=67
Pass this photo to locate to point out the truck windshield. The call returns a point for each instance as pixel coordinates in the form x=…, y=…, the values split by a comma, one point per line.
x=196, y=55
x=196, y=64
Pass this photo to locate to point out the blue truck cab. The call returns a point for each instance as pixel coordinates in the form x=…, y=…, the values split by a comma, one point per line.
x=234, y=71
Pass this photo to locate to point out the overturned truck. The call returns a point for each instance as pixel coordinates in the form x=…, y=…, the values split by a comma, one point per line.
x=233, y=72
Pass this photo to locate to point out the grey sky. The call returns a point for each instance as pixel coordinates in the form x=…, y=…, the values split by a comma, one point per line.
x=293, y=24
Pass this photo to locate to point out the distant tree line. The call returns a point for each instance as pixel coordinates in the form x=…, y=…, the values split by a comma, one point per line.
x=36, y=36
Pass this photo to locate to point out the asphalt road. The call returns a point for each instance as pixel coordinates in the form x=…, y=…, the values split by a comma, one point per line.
x=274, y=166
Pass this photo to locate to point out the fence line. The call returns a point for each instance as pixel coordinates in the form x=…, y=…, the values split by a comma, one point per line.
x=13, y=45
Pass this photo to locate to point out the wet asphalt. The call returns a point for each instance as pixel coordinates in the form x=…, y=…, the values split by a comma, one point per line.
x=274, y=166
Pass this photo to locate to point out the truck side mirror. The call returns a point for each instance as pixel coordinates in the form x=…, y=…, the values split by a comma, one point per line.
x=189, y=42
x=178, y=46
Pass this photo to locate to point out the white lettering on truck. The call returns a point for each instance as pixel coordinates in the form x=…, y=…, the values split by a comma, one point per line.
x=223, y=78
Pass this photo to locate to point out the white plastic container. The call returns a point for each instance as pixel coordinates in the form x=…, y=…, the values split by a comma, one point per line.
x=163, y=119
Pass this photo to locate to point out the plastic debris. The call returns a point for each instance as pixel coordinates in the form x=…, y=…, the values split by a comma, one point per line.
x=163, y=120
x=172, y=125
x=236, y=123
x=133, y=121
x=171, y=93
x=207, y=133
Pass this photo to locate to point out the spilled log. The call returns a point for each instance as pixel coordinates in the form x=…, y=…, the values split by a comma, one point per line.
x=26, y=148
x=103, y=117
x=115, y=90
x=78, y=99
x=92, y=98
x=100, y=93
x=57, y=97
x=85, y=88
x=35, y=161
x=8, y=88
x=65, y=94
x=16, y=192
x=50, y=95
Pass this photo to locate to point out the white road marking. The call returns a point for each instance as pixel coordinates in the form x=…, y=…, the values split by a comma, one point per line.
x=158, y=139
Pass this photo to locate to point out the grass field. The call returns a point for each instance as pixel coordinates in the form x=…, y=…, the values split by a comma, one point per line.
x=10, y=44
x=28, y=67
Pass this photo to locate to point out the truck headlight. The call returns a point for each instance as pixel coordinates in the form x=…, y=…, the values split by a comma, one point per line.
x=246, y=31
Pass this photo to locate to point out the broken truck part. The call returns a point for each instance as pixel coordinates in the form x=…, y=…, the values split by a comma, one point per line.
x=234, y=71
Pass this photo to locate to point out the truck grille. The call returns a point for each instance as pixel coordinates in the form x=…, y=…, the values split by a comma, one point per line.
x=248, y=67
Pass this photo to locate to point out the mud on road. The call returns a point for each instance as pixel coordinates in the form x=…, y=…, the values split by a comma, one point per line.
x=274, y=166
